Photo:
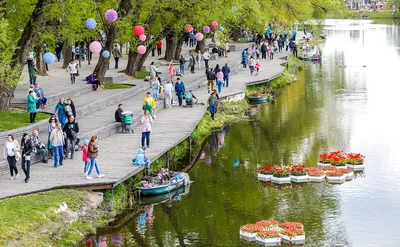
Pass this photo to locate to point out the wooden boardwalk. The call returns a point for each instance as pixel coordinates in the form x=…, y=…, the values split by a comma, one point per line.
x=170, y=128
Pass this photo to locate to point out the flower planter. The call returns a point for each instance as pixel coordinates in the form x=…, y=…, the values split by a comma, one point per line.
x=349, y=176
x=268, y=241
x=323, y=164
x=316, y=179
x=336, y=180
x=299, y=179
x=341, y=167
x=281, y=180
x=264, y=177
x=356, y=167
x=301, y=239
x=248, y=236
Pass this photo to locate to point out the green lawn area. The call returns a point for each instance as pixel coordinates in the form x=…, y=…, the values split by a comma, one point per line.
x=17, y=119
x=116, y=86
x=26, y=216
x=142, y=74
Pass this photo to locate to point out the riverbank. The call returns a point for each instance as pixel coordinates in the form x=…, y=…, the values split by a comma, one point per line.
x=356, y=15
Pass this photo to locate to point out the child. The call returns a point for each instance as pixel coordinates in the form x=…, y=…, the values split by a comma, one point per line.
x=141, y=159
x=85, y=157
x=257, y=67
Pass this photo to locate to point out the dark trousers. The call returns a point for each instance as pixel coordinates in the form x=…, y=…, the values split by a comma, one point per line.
x=213, y=110
x=116, y=62
x=26, y=167
x=206, y=62
x=32, y=117
x=180, y=96
x=226, y=80
x=280, y=48
x=153, y=52
x=159, y=51
x=42, y=152
x=263, y=55
x=70, y=147
x=146, y=136
x=192, y=68
x=13, y=165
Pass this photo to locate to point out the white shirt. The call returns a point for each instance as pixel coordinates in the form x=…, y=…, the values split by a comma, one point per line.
x=10, y=147
x=206, y=55
x=73, y=68
x=168, y=88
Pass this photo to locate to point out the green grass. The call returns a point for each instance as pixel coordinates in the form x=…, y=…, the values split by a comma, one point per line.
x=27, y=218
x=142, y=74
x=17, y=119
x=116, y=86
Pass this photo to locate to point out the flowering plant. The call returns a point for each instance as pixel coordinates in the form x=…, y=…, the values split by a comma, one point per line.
x=266, y=170
x=251, y=228
x=315, y=172
x=347, y=170
x=282, y=171
x=324, y=158
x=336, y=173
x=355, y=159
x=268, y=234
x=295, y=225
x=338, y=158
x=293, y=232
x=329, y=168
x=267, y=223
x=298, y=170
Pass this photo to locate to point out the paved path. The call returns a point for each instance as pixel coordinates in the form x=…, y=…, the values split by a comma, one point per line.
x=170, y=128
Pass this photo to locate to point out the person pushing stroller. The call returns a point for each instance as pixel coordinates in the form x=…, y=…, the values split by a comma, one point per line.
x=189, y=96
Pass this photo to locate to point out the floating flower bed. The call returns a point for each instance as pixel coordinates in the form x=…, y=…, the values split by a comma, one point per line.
x=349, y=173
x=355, y=161
x=265, y=173
x=323, y=159
x=281, y=175
x=298, y=174
x=315, y=175
x=338, y=159
x=272, y=233
x=336, y=177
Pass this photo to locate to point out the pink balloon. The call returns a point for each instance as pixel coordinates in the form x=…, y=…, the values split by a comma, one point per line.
x=95, y=47
x=141, y=49
x=214, y=24
x=142, y=37
x=138, y=30
x=199, y=36
x=111, y=15
x=206, y=29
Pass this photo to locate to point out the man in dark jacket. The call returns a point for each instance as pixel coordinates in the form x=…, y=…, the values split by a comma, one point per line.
x=71, y=129
x=210, y=79
x=118, y=113
x=264, y=51
x=226, y=70
x=179, y=90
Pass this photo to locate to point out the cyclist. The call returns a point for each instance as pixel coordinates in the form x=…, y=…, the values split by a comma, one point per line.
x=73, y=70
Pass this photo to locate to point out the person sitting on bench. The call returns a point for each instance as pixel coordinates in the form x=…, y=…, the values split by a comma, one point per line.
x=92, y=80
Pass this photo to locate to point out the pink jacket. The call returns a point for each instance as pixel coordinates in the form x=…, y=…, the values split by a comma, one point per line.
x=220, y=76
x=85, y=156
x=146, y=124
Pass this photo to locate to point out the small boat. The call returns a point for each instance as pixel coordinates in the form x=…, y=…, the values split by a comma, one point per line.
x=258, y=100
x=176, y=182
x=310, y=58
x=323, y=36
x=171, y=196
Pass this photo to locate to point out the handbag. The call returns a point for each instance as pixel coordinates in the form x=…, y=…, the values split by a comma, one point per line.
x=27, y=157
x=17, y=156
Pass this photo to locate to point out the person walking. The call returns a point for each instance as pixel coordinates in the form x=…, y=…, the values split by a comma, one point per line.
x=59, y=111
x=172, y=70
x=11, y=153
x=73, y=70
x=226, y=70
x=117, y=55
x=57, y=140
x=93, y=152
x=179, y=90
x=206, y=57
x=32, y=100
x=264, y=51
x=199, y=57
x=32, y=70
x=168, y=94
x=226, y=48
x=50, y=128
x=149, y=104
x=182, y=62
x=153, y=71
x=42, y=100
x=213, y=103
x=85, y=157
x=70, y=108
x=38, y=146
x=192, y=62
x=159, y=47
x=71, y=129
x=271, y=53
x=146, y=122
x=26, y=148
x=156, y=88
x=245, y=58
x=257, y=67
x=252, y=64
x=220, y=80
x=210, y=79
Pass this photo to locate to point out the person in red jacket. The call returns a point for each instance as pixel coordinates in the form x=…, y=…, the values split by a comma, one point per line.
x=159, y=47
x=85, y=157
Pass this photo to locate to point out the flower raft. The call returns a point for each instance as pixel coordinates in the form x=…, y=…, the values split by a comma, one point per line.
x=273, y=233
x=354, y=161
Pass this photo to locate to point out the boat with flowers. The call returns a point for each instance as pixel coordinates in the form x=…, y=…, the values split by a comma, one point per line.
x=261, y=96
x=163, y=182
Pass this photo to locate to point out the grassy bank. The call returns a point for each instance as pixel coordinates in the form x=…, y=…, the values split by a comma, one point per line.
x=116, y=86
x=352, y=14
x=17, y=119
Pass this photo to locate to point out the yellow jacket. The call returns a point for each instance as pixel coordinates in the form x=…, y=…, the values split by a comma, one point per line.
x=152, y=101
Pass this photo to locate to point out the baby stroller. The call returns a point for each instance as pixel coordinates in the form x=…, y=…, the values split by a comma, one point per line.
x=189, y=99
x=127, y=121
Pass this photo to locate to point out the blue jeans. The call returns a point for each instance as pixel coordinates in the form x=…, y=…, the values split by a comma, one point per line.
x=116, y=62
x=40, y=102
x=58, y=154
x=226, y=80
x=180, y=96
x=94, y=163
x=155, y=93
x=219, y=85
x=146, y=136
x=86, y=166
x=251, y=69
x=182, y=69
x=213, y=110
x=32, y=80
x=62, y=118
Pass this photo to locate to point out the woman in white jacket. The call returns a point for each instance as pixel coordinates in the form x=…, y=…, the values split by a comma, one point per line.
x=11, y=153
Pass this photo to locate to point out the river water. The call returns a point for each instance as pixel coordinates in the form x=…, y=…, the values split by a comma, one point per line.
x=348, y=102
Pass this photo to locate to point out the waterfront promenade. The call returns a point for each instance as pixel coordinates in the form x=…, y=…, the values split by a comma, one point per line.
x=117, y=150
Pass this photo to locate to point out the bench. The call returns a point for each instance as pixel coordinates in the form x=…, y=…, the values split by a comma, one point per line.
x=213, y=56
x=120, y=77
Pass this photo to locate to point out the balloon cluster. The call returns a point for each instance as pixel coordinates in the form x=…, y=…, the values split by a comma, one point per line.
x=139, y=32
x=49, y=58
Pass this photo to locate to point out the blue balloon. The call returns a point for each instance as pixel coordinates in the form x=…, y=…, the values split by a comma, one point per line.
x=49, y=58
x=221, y=28
x=106, y=54
x=91, y=23
x=236, y=163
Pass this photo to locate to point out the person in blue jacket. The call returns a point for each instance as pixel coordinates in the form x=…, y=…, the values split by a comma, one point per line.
x=245, y=58
x=179, y=90
x=226, y=70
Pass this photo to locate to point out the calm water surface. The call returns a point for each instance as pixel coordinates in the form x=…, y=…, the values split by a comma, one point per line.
x=330, y=108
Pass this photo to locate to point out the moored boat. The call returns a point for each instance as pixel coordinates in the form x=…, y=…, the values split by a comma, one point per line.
x=177, y=181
